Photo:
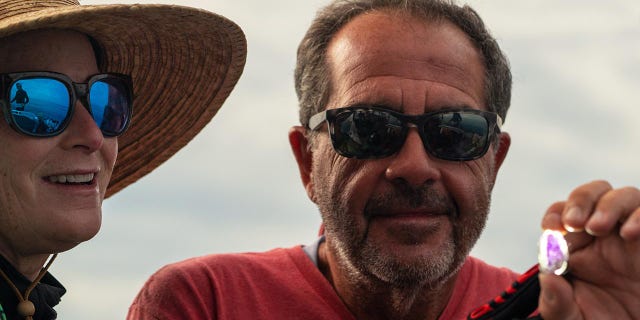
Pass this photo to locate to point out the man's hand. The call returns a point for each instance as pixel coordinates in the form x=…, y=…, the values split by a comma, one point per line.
x=604, y=264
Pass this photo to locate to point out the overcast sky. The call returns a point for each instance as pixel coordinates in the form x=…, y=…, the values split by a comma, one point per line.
x=574, y=118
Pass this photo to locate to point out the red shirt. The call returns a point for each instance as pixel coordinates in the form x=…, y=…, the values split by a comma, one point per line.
x=280, y=284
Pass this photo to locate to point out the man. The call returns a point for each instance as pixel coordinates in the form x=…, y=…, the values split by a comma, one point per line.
x=96, y=78
x=403, y=196
x=21, y=97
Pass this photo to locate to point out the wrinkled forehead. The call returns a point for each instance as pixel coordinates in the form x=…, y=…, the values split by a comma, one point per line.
x=379, y=44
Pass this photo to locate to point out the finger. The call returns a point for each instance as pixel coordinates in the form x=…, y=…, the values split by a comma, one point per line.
x=553, y=220
x=613, y=207
x=630, y=230
x=556, y=299
x=553, y=217
x=581, y=202
x=578, y=240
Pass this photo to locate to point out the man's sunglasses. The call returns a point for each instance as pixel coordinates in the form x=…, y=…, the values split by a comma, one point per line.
x=41, y=104
x=368, y=132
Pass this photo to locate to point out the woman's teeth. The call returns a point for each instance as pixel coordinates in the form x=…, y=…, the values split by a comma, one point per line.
x=72, y=178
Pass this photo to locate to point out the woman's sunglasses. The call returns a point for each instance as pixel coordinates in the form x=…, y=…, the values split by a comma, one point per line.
x=41, y=104
x=368, y=132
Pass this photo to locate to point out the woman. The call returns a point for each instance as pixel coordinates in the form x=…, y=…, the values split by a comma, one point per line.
x=81, y=67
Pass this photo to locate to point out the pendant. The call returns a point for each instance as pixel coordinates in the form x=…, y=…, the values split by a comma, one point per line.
x=26, y=308
x=553, y=252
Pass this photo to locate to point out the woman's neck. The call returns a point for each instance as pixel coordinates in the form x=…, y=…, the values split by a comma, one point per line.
x=28, y=265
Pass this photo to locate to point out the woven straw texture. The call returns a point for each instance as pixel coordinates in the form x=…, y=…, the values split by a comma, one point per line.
x=184, y=63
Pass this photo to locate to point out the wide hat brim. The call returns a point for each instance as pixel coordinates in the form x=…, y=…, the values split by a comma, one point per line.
x=184, y=63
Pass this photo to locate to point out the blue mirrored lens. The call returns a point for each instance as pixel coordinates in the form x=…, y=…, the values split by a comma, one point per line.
x=110, y=105
x=39, y=106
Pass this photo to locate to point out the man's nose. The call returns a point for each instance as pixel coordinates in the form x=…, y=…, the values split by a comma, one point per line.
x=412, y=163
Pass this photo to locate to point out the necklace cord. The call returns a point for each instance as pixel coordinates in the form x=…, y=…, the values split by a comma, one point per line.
x=24, y=299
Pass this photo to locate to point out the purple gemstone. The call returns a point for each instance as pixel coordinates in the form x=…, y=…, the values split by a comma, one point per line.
x=553, y=255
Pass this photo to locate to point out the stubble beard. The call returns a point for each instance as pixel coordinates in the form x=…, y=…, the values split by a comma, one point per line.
x=366, y=261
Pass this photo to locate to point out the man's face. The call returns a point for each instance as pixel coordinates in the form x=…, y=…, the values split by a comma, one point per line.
x=409, y=218
x=38, y=213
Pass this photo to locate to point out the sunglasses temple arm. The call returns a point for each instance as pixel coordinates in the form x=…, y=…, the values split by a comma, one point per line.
x=499, y=122
x=317, y=119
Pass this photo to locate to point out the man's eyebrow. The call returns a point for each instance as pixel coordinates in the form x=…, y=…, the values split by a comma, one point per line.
x=400, y=108
x=456, y=107
x=391, y=106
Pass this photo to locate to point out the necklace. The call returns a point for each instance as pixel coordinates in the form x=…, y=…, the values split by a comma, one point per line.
x=25, y=308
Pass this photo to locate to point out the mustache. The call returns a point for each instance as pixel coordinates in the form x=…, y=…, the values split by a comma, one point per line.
x=404, y=196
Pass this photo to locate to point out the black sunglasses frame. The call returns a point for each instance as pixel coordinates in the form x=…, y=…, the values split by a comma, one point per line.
x=76, y=90
x=494, y=122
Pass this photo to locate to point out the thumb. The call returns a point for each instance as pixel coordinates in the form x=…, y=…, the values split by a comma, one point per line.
x=556, y=299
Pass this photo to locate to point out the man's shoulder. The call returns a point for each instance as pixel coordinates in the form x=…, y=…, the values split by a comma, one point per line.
x=223, y=264
x=479, y=277
x=476, y=284
x=235, y=273
x=478, y=268
x=242, y=286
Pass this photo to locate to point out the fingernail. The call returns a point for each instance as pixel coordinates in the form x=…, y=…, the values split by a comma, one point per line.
x=570, y=228
x=598, y=216
x=574, y=213
x=597, y=220
x=573, y=216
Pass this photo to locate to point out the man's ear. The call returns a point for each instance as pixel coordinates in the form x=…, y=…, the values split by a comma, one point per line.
x=304, y=157
x=503, y=149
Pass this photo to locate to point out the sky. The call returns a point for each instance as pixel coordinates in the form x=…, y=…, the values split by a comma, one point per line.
x=235, y=187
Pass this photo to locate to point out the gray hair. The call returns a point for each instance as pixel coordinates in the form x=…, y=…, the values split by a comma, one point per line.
x=312, y=74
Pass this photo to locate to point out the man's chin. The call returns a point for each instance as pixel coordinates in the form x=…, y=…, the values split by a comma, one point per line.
x=407, y=242
x=403, y=265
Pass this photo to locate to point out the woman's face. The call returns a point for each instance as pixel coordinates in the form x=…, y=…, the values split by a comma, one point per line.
x=40, y=214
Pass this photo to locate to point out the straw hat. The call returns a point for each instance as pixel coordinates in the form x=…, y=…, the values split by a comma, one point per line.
x=184, y=63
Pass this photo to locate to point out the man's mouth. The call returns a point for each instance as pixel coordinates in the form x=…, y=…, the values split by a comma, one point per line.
x=72, y=178
x=408, y=215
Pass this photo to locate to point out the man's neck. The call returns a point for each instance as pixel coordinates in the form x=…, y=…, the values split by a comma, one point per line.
x=369, y=298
